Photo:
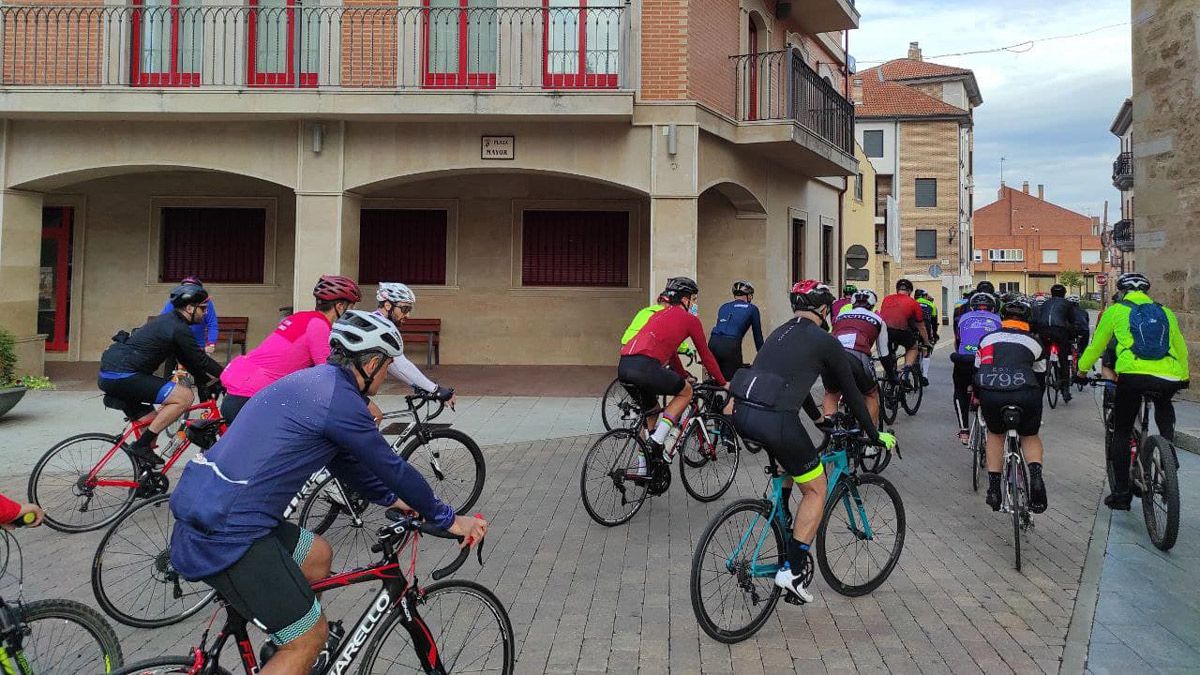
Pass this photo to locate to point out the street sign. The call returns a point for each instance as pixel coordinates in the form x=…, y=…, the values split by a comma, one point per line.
x=935, y=271
x=857, y=256
x=1102, y=279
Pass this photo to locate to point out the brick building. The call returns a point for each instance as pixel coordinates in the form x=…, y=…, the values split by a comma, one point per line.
x=1023, y=242
x=536, y=170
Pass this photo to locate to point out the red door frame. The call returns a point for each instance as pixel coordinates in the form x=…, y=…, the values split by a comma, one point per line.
x=254, y=78
x=173, y=78
x=580, y=79
x=57, y=342
x=461, y=79
x=752, y=94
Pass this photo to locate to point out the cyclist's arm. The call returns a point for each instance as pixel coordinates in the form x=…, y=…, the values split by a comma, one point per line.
x=696, y=332
x=9, y=510
x=404, y=370
x=1178, y=344
x=1104, y=333
x=837, y=365
x=316, y=336
x=192, y=356
x=812, y=409
x=756, y=326
x=167, y=308
x=210, y=324
x=881, y=344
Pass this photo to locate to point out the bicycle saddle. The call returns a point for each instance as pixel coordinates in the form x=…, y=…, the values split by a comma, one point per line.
x=1012, y=417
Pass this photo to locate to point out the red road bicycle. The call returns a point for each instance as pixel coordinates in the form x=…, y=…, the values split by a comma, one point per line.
x=88, y=481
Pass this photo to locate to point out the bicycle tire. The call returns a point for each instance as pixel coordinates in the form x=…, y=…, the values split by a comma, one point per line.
x=1162, y=478
x=165, y=665
x=978, y=456
x=889, y=406
x=68, y=611
x=350, y=541
x=1017, y=504
x=614, y=406
x=141, y=539
x=847, y=490
x=915, y=375
x=58, y=508
x=875, y=464
x=1052, y=385
x=601, y=475
x=725, y=452
x=450, y=486
x=391, y=627
x=761, y=510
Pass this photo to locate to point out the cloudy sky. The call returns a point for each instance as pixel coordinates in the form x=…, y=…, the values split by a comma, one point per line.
x=1048, y=109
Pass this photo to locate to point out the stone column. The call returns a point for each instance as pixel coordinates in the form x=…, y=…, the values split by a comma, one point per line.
x=674, y=204
x=20, y=273
x=326, y=215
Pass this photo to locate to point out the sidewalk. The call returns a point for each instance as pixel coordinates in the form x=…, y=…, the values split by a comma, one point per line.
x=1187, y=425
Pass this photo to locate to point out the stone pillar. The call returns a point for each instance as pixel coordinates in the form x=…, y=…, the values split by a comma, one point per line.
x=674, y=204
x=326, y=215
x=20, y=272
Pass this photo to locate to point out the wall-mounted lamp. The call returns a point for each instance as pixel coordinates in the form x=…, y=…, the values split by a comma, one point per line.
x=318, y=137
x=672, y=134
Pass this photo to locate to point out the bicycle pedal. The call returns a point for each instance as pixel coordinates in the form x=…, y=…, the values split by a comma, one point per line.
x=791, y=599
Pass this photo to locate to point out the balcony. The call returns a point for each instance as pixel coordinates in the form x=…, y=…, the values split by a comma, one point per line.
x=822, y=16
x=783, y=103
x=1122, y=235
x=1122, y=175
x=187, y=47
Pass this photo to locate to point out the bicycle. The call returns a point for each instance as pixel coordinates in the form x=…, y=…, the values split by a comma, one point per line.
x=745, y=572
x=618, y=407
x=889, y=397
x=1058, y=382
x=621, y=460
x=1014, y=480
x=977, y=442
x=912, y=387
x=82, y=477
x=414, y=627
x=866, y=461
x=1153, y=470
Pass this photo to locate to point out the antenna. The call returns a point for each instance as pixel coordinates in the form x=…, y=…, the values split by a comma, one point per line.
x=1002, y=161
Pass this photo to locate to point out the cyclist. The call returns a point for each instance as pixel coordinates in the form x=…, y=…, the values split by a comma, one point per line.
x=767, y=398
x=127, y=368
x=1081, y=322
x=301, y=340
x=980, y=320
x=656, y=345
x=1056, y=326
x=906, y=324
x=229, y=532
x=396, y=302
x=734, y=319
x=929, y=308
x=1152, y=358
x=206, y=333
x=1011, y=367
x=844, y=303
x=860, y=331
x=963, y=307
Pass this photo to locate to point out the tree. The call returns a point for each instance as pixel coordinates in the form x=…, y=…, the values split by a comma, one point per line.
x=1071, y=279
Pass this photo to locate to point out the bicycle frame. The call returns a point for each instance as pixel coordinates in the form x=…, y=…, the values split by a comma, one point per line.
x=1014, y=459
x=208, y=411
x=12, y=630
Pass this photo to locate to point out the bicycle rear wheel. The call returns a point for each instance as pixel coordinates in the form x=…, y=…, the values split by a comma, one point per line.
x=452, y=463
x=612, y=488
x=467, y=624
x=617, y=408
x=978, y=451
x=1160, y=497
x=861, y=534
x=1052, y=385
x=889, y=404
x=68, y=637
x=730, y=601
x=165, y=665
x=60, y=486
x=347, y=521
x=913, y=391
x=710, y=454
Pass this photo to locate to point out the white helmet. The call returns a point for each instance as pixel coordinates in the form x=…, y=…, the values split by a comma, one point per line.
x=395, y=293
x=358, y=333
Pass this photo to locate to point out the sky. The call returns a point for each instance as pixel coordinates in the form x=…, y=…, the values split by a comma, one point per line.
x=1047, y=110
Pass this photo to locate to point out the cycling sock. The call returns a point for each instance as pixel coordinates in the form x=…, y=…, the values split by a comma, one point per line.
x=797, y=555
x=1035, y=469
x=994, y=480
x=665, y=424
x=146, y=440
x=925, y=367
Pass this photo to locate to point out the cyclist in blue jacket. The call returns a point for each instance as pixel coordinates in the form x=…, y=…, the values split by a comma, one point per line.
x=734, y=319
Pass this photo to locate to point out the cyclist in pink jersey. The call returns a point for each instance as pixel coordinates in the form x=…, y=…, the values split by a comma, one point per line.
x=300, y=341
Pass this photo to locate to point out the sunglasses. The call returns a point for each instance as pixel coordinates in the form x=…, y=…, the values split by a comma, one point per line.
x=403, y=309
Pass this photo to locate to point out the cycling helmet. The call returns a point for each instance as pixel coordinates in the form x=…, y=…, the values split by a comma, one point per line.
x=1058, y=291
x=360, y=333
x=188, y=294
x=849, y=289
x=1133, y=281
x=810, y=295
x=333, y=287
x=395, y=293
x=679, y=287
x=985, y=286
x=983, y=301
x=1016, y=309
x=865, y=298
x=1073, y=299
x=195, y=281
x=904, y=285
x=742, y=287
x=920, y=293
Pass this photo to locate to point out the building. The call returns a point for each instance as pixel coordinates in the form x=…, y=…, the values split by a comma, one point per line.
x=864, y=246
x=536, y=172
x=1120, y=237
x=914, y=120
x=1023, y=243
x=1166, y=141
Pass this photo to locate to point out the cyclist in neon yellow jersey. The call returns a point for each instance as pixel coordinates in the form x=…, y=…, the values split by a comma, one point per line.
x=640, y=320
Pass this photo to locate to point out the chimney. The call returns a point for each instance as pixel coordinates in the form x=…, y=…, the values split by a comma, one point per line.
x=914, y=51
x=1041, y=192
x=856, y=92
x=1025, y=187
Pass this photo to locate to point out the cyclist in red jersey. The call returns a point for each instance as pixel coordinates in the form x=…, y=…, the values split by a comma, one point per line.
x=656, y=345
x=906, y=323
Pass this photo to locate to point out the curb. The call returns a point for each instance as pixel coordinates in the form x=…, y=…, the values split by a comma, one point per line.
x=1079, y=633
x=1188, y=440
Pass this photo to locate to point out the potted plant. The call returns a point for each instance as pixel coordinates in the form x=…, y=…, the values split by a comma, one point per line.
x=12, y=389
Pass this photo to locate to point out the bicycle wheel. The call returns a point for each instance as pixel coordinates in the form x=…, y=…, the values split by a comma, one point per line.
x=1052, y=385
x=978, y=451
x=347, y=521
x=1160, y=498
x=1018, y=504
x=913, y=391
x=710, y=454
x=875, y=463
x=165, y=665
x=68, y=637
x=132, y=576
x=730, y=600
x=889, y=405
x=452, y=463
x=59, y=483
x=468, y=625
x=861, y=534
x=617, y=408
x=612, y=488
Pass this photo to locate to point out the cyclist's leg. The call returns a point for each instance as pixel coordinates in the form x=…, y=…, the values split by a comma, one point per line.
x=1164, y=409
x=833, y=396
x=991, y=404
x=177, y=400
x=1127, y=402
x=962, y=376
x=232, y=405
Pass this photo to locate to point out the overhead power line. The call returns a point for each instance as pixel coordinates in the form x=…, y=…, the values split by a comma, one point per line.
x=1019, y=47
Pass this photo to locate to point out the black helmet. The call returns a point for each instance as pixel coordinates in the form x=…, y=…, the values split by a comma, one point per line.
x=1133, y=281
x=1016, y=309
x=1058, y=291
x=984, y=301
x=810, y=294
x=904, y=284
x=188, y=294
x=742, y=287
x=679, y=287
x=985, y=286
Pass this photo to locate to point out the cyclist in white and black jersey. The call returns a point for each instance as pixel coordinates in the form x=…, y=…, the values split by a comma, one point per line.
x=396, y=303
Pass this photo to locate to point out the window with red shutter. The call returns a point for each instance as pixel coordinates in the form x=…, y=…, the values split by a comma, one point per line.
x=575, y=248
x=404, y=245
x=217, y=244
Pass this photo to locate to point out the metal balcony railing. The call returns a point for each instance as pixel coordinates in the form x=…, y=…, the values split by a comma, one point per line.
x=163, y=44
x=1122, y=173
x=779, y=85
x=1122, y=235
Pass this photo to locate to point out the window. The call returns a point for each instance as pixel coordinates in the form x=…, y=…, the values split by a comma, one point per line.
x=581, y=43
x=873, y=143
x=883, y=190
x=1089, y=257
x=166, y=40
x=926, y=192
x=460, y=43
x=219, y=245
x=1006, y=255
x=575, y=248
x=858, y=187
x=1009, y=287
x=405, y=245
x=828, y=254
x=270, y=30
x=1050, y=255
x=797, y=249
x=926, y=244
x=977, y=256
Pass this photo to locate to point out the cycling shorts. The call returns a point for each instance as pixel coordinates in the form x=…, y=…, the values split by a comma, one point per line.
x=1108, y=359
x=649, y=379
x=783, y=435
x=232, y=405
x=1029, y=400
x=902, y=337
x=728, y=351
x=135, y=391
x=863, y=370
x=267, y=586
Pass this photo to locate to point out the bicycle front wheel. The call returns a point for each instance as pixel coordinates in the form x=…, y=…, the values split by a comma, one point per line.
x=861, y=534
x=889, y=404
x=166, y=665
x=613, y=480
x=1018, y=504
x=452, y=463
x=466, y=623
x=733, y=570
x=1160, y=496
x=617, y=408
x=709, y=457
x=346, y=520
x=68, y=637
x=132, y=576
x=73, y=503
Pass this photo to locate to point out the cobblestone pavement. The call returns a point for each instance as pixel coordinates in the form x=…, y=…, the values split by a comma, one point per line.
x=587, y=598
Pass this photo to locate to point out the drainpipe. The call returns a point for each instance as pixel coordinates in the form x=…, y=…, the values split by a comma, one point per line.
x=841, y=257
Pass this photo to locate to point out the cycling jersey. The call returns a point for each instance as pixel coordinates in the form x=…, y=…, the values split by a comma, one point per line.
x=841, y=305
x=660, y=338
x=929, y=308
x=1114, y=323
x=971, y=328
x=235, y=493
x=165, y=336
x=735, y=318
x=300, y=341
x=861, y=330
x=1010, y=359
x=407, y=372
x=639, y=320
x=206, y=333
x=1056, y=313
x=901, y=312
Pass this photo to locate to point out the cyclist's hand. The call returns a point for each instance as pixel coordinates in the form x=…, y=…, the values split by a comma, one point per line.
x=39, y=516
x=471, y=528
x=886, y=440
x=1081, y=378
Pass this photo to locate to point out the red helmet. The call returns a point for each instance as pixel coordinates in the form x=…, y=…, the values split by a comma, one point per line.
x=810, y=294
x=333, y=287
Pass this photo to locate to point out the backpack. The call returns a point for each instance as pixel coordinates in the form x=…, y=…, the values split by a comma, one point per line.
x=1151, y=330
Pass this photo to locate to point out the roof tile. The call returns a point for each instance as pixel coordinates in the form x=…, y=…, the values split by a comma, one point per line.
x=893, y=99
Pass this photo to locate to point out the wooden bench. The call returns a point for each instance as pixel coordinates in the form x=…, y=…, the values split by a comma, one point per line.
x=427, y=332
x=232, y=331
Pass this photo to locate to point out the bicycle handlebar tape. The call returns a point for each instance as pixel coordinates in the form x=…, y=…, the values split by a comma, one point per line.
x=24, y=520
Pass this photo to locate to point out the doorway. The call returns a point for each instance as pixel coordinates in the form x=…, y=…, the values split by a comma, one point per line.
x=54, y=286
